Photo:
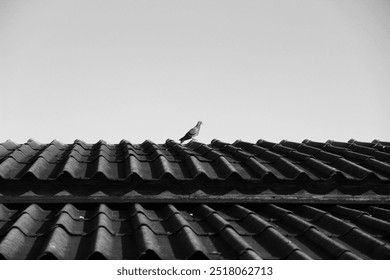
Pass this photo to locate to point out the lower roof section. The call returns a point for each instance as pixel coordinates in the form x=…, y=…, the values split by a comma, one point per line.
x=194, y=231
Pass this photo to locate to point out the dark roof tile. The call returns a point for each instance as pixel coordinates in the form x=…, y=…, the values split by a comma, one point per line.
x=265, y=144
x=190, y=245
x=15, y=245
x=61, y=244
x=379, y=212
x=369, y=245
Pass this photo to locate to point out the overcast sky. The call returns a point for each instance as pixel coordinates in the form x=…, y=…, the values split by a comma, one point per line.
x=141, y=69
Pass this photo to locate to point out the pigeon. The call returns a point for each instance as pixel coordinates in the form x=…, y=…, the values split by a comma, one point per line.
x=191, y=133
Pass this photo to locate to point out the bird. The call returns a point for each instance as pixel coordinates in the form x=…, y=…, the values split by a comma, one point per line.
x=191, y=133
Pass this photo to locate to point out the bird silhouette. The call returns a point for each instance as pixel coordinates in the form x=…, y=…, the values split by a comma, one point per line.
x=191, y=133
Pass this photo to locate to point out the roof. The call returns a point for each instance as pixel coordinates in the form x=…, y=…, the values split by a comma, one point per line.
x=240, y=200
x=194, y=231
x=285, y=171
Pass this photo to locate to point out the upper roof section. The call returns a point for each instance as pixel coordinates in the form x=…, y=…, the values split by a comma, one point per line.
x=258, y=161
x=217, y=168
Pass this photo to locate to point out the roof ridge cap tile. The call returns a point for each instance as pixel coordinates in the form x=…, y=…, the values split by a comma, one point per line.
x=82, y=144
x=218, y=143
x=266, y=144
x=191, y=144
x=56, y=143
x=33, y=140
x=124, y=141
x=146, y=142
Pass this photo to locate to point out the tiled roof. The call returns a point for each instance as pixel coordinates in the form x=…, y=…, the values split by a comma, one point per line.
x=194, y=231
x=242, y=200
x=248, y=171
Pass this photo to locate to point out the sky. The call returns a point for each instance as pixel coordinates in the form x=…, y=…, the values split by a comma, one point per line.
x=150, y=69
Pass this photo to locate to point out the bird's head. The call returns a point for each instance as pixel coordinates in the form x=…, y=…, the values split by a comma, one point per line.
x=199, y=123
